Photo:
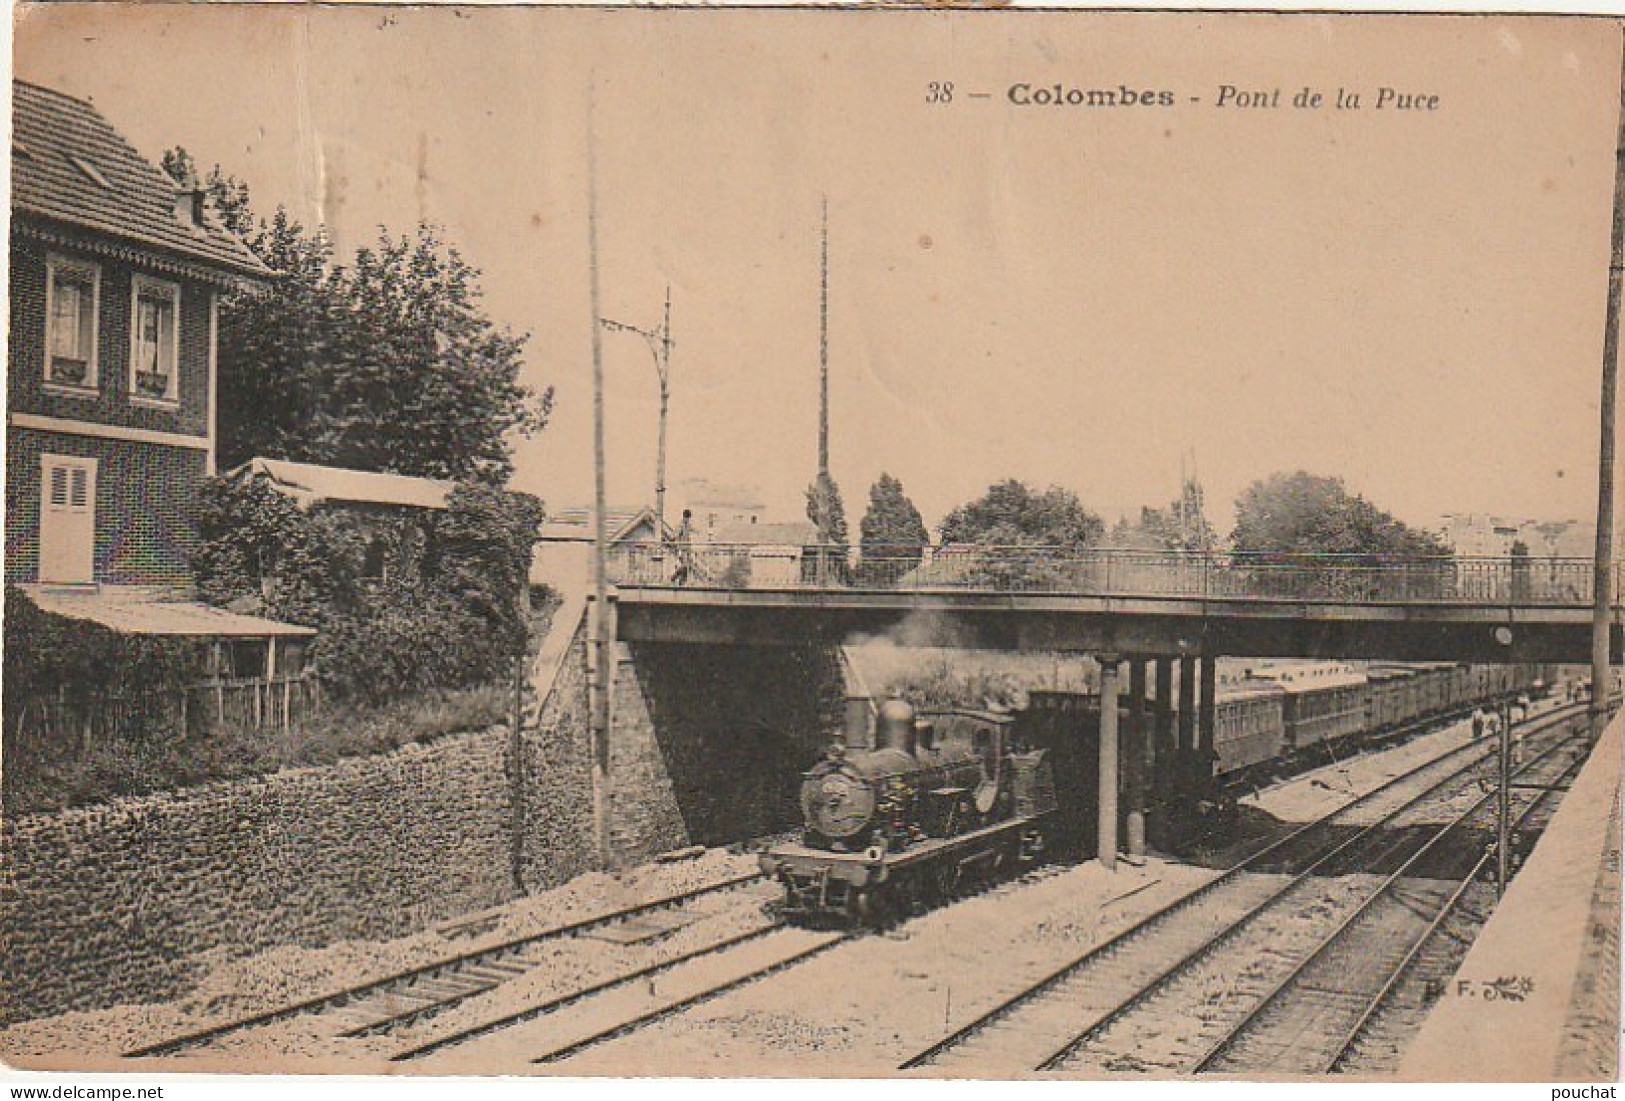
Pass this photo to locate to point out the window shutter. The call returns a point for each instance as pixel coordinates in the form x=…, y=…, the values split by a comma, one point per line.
x=59, y=486
x=81, y=496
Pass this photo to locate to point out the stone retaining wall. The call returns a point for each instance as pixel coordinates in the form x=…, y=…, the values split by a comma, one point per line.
x=109, y=904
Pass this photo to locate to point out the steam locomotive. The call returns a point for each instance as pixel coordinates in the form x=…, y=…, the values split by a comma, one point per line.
x=944, y=796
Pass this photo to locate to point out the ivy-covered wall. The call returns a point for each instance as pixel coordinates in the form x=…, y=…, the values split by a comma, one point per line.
x=405, y=599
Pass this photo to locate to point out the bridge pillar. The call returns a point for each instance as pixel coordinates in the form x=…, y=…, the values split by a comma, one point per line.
x=1184, y=766
x=1106, y=828
x=1134, y=775
x=1166, y=747
x=1207, y=727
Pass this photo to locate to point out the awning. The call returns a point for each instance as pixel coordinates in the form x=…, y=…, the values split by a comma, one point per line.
x=308, y=484
x=139, y=612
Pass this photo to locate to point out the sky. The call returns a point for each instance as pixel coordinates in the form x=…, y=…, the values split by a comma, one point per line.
x=1411, y=300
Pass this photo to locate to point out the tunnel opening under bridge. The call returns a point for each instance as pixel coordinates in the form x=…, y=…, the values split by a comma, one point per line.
x=709, y=743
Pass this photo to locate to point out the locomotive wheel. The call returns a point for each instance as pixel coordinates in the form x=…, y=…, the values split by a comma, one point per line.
x=862, y=907
x=906, y=895
x=868, y=907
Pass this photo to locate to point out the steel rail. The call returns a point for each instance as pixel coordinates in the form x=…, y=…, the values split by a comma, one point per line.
x=447, y=966
x=1158, y=917
x=654, y=1016
x=1223, y=1045
x=1381, y=998
x=553, y=1005
x=1235, y=928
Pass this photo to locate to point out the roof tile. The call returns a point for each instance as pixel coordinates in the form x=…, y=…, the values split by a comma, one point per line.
x=53, y=134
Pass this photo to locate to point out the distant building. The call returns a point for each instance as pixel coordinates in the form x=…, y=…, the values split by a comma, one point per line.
x=1481, y=535
x=562, y=559
x=716, y=506
x=623, y=523
x=770, y=555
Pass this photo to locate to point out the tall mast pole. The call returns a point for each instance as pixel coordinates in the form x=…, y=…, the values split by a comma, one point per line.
x=660, y=346
x=1602, y=589
x=663, y=364
x=598, y=624
x=823, y=350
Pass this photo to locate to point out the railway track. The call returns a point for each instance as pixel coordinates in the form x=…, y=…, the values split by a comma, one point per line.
x=801, y=945
x=554, y=1004
x=405, y=997
x=1379, y=1033
x=1374, y=743
x=1037, y=1027
x=791, y=946
x=1316, y=1012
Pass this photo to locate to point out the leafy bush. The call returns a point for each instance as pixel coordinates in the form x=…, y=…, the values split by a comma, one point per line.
x=444, y=614
x=74, y=660
x=36, y=782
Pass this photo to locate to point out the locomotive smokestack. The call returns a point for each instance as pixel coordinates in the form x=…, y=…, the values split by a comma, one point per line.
x=897, y=726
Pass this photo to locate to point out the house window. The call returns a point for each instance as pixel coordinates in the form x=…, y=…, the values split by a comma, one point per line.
x=72, y=294
x=154, y=359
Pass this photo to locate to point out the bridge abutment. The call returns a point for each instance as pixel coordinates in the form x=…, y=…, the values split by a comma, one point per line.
x=707, y=743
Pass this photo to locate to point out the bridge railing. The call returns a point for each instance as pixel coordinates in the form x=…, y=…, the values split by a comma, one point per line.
x=1344, y=579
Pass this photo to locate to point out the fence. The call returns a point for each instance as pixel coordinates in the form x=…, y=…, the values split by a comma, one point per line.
x=1344, y=579
x=76, y=723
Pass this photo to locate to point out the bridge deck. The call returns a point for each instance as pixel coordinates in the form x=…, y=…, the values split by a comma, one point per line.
x=1139, y=625
x=1508, y=609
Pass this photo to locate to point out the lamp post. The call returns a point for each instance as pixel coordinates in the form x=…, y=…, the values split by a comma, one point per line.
x=1503, y=800
x=1602, y=563
x=660, y=346
x=1503, y=795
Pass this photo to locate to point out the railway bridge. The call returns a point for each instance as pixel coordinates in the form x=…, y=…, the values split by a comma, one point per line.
x=1169, y=604
x=1155, y=621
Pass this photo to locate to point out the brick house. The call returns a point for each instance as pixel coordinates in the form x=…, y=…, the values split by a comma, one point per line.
x=116, y=277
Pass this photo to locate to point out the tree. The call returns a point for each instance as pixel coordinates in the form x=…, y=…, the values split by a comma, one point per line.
x=1011, y=515
x=1289, y=515
x=387, y=364
x=1183, y=525
x=828, y=515
x=1303, y=514
x=275, y=350
x=892, y=535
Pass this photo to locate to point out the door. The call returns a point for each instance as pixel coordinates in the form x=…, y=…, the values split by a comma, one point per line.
x=67, y=527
